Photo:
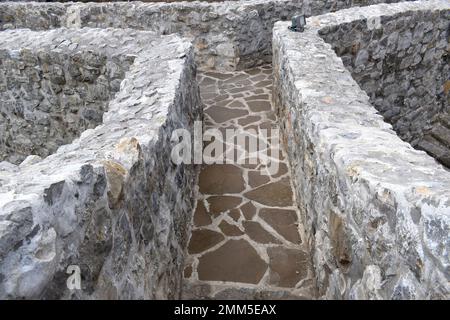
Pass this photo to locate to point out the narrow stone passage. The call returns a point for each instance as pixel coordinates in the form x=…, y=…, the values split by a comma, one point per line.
x=247, y=239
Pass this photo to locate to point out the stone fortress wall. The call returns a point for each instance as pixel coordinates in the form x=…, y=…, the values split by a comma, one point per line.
x=110, y=202
x=50, y=97
x=377, y=210
x=226, y=35
x=403, y=66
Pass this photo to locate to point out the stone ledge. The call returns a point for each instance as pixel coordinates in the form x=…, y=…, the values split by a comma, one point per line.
x=111, y=202
x=377, y=210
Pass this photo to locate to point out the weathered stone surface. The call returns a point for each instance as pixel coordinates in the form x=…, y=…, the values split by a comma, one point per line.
x=287, y=266
x=220, y=179
x=282, y=169
x=363, y=190
x=248, y=120
x=285, y=222
x=113, y=203
x=235, y=214
x=53, y=98
x=257, y=106
x=222, y=114
x=241, y=219
x=226, y=35
x=187, y=271
x=246, y=265
x=203, y=239
x=227, y=292
x=229, y=229
x=201, y=216
x=256, y=178
x=248, y=210
x=257, y=233
x=404, y=76
x=277, y=194
x=110, y=202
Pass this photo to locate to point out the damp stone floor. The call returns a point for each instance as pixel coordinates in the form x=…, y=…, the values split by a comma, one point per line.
x=247, y=239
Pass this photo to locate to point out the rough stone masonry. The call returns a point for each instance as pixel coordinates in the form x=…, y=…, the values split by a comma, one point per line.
x=90, y=110
x=377, y=211
x=227, y=35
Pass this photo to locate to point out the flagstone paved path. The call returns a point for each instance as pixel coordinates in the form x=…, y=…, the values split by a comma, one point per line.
x=247, y=239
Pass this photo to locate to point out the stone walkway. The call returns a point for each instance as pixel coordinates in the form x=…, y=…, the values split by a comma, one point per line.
x=246, y=241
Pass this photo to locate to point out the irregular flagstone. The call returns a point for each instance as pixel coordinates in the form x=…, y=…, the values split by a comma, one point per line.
x=258, y=97
x=235, y=261
x=236, y=201
x=219, y=75
x=256, y=294
x=257, y=233
x=204, y=239
x=230, y=292
x=257, y=106
x=259, y=77
x=250, y=163
x=255, y=178
x=248, y=210
x=229, y=229
x=264, y=83
x=223, y=103
x=277, y=194
x=235, y=214
x=218, y=204
x=207, y=81
x=283, y=221
x=287, y=266
x=193, y=291
x=277, y=154
x=253, y=71
x=220, y=179
x=222, y=114
x=104, y=103
x=236, y=104
x=247, y=120
x=282, y=168
x=201, y=216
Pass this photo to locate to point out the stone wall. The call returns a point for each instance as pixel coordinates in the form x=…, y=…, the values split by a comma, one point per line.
x=48, y=98
x=110, y=203
x=377, y=211
x=227, y=35
x=403, y=65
